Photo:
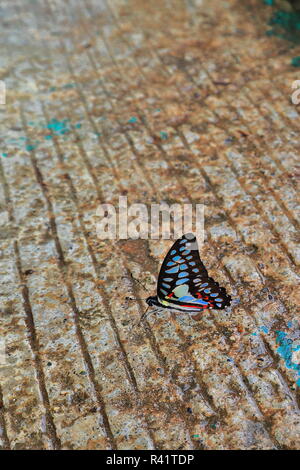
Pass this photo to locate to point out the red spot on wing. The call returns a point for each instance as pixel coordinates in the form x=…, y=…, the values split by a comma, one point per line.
x=201, y=307
x=194, y=306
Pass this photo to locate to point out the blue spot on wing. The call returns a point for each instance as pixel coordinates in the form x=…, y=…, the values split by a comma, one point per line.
x=173, y=270
x=181, y=281
x=190, y=299
x=183, y=274
x=200, y=301
x=186, y=298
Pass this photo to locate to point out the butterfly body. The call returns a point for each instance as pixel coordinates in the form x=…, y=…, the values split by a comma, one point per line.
x=183, y=282
x=190, y=308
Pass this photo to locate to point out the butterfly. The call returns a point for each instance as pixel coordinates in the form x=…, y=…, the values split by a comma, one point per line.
x=183, y=282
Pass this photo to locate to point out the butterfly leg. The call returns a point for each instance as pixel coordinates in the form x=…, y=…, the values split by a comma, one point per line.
x=157, y=310
x=152, y=311
x=143, y=316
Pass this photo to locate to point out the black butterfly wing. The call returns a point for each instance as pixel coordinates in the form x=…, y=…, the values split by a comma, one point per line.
x=180, y=259
x=183, y=280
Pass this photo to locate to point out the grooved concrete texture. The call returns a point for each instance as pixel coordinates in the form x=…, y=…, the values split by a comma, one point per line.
x=175, y=101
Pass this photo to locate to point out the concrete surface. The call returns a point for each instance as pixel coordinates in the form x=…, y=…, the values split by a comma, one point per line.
x=175, y=100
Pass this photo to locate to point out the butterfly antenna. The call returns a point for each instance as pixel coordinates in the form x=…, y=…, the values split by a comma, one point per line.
x=131, y=298
x=140, y=283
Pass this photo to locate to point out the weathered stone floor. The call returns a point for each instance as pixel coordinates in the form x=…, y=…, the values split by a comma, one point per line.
x=175, y=101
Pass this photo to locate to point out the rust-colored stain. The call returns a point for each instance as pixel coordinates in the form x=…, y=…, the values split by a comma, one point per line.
x=174, y=101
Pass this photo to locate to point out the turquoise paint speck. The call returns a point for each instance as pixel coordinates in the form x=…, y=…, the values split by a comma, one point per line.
x=295, y=62
x=132, y=120
x=77, y=126
x=286, y=25
x=285, y=350
x=264, y=329
x=30, y=147
x=58, y=127
x=4, y=154
x=163, y=135
x=290, y=324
